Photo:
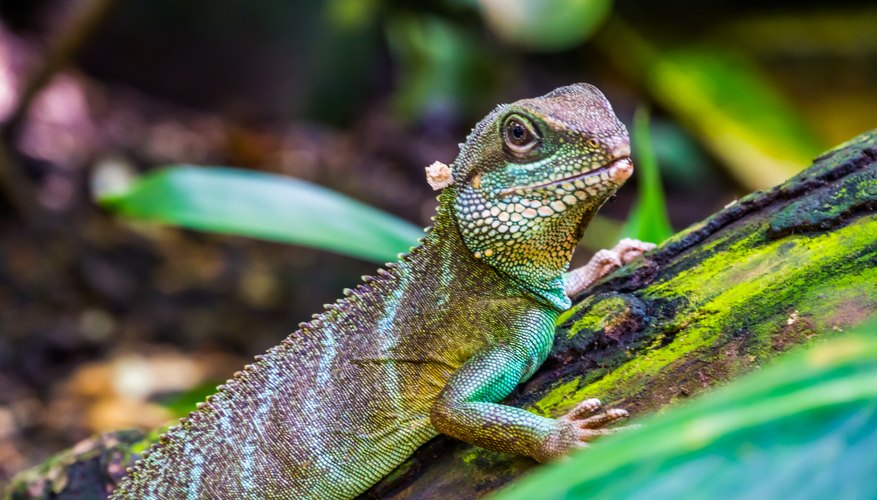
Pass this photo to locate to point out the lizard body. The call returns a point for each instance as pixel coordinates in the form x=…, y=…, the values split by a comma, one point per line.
x=430, y=344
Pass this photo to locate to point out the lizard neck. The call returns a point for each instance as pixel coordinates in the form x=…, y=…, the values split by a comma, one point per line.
x=534, y=264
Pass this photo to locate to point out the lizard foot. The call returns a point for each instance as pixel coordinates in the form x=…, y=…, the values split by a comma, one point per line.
x=582, y=424
x=603, y=263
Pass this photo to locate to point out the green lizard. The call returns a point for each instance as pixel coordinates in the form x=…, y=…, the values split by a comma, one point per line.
x=432, y=343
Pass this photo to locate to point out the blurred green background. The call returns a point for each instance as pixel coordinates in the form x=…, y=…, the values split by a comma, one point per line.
x=106, y=319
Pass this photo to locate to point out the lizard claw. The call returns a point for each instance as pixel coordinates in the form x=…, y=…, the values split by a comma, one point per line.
x=591, y=428
x=579, y=415
x=578, y=427
x=604, y=419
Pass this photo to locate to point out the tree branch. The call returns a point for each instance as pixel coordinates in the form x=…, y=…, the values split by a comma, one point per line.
x=776, y=269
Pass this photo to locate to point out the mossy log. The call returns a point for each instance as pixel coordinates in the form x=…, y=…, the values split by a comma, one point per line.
x=773, y=270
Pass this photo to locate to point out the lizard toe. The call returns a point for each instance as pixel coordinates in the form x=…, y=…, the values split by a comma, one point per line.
x=585, y=407
x=603, y=419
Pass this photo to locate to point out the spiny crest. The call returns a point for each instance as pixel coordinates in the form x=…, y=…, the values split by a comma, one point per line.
x=472, y=149
x=385, y=276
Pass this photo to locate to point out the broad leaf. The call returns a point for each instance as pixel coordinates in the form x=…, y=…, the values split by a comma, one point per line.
x=805, y=427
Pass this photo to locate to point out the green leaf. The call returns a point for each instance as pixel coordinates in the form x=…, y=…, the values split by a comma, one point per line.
x=259, y=205
x=548, y=25
x=648, y=220
x=804, y=427
x=441, y=68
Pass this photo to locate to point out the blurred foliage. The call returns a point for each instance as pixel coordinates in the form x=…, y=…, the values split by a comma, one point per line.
x=545, y=25
x=602, y=232
x=804, y=427
x=724, y=99
x=683, y=163
x=343, y=42
x=271, y=207
x=443, y=69
x=648, y=220
x=181, y=404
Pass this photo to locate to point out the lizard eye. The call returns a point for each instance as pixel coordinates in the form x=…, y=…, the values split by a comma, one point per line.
x=520, y=135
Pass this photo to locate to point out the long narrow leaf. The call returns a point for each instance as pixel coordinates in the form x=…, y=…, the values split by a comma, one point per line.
x=259, y=205
x=648, y=221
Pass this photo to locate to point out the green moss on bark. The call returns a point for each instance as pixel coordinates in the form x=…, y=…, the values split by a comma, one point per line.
x=777, y=269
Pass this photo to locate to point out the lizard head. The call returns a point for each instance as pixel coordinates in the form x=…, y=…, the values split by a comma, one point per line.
x=532, y=174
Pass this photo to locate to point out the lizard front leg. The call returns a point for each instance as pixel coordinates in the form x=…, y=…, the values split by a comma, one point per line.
x=467, y=410
x=603, y=263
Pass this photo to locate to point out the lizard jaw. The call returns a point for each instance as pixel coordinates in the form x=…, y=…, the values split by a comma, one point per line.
x=618, y=170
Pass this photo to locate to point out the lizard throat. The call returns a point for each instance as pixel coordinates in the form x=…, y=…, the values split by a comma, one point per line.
x=621, y=166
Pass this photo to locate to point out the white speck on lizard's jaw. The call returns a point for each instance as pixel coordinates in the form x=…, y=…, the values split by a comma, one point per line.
x=439, y=175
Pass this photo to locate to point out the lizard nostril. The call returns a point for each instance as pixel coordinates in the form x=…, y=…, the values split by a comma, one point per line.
x=621, y=150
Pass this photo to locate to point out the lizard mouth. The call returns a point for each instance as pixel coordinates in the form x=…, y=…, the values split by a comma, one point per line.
x=613, y=168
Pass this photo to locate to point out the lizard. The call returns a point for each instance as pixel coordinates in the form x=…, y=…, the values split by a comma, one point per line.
x=433, y=342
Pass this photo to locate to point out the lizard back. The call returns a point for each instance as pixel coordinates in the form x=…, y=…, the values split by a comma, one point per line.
x=345, y=399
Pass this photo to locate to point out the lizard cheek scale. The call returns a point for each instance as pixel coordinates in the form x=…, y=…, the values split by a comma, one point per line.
x=561, y=157
x=431, y=343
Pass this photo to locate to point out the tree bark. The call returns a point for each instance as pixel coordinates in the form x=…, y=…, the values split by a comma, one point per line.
x=775, y=269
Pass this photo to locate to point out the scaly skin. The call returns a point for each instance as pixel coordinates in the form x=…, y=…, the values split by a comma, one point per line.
x=429, y=345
